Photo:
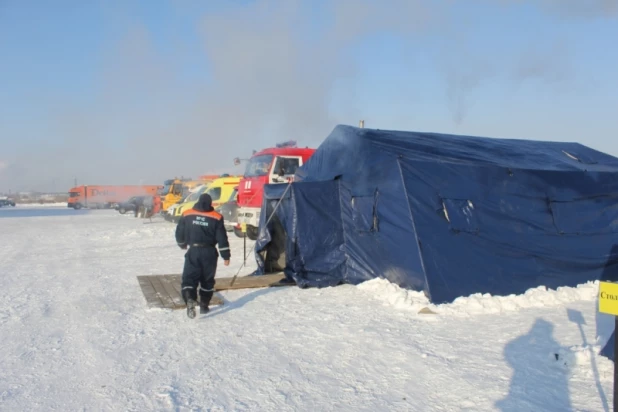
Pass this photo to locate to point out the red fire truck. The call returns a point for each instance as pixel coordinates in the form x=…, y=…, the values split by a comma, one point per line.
x=268, y=166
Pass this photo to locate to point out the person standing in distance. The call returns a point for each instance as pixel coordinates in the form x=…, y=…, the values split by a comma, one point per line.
x=200, y=229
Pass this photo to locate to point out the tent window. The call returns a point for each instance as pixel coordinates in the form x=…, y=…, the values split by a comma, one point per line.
x=586, y=216
x=460, y=215
x=364, y=213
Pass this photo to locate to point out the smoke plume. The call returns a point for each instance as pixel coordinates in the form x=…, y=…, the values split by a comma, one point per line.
x=265, y=72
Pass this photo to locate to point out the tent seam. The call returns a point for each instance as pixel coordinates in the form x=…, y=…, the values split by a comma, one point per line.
x=345, y=242
x=420, y=249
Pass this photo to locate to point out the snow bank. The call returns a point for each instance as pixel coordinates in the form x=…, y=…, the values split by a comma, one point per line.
x=478, y=303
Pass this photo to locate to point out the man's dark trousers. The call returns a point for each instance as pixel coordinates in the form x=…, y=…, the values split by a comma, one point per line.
x=200, y=267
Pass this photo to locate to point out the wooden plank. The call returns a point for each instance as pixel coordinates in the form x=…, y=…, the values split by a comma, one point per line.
x=242, y=282
x=167, y=300
x=152, y=299
x=176, y=282
x=172, y=291
x=175, y=279
x=164, y=291
x=250, y=282
x=171, y=285
x=146, y=286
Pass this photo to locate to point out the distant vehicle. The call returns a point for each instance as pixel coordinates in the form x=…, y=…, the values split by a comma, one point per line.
x=187, y=194
x=268, y=166
x=7, y=202
x=131, y=205
x=175, y=190
x=229, y=210
x=105, y=197
x=220, y=190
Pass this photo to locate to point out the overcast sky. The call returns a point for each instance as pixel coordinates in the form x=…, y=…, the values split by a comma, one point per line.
x=128, y=92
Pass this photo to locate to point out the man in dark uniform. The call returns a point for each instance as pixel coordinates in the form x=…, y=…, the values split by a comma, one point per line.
x=200, y=229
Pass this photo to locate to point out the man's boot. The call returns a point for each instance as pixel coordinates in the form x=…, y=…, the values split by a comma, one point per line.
x=191, y=308
x=204, y=302
x=191, y=303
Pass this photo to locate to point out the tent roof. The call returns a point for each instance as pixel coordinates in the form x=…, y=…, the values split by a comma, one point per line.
x=471, y=150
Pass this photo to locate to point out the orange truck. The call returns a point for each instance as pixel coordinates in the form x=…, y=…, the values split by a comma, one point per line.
x=104, y=197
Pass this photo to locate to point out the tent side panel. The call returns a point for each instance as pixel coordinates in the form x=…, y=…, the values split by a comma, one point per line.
x=492, y=230
x=317, y=254
x=379, y=237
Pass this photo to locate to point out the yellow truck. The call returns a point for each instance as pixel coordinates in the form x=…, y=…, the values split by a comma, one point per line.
x=171, y=192
x=192, y=196
x=220, y=190
x=175, y=190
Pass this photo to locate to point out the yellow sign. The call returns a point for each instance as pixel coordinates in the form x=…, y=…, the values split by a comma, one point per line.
x=608, y=298
x=243, y=227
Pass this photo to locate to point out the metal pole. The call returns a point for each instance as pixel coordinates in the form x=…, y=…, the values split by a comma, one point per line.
x=615, y=368
x=244, y=241
x=361, y=124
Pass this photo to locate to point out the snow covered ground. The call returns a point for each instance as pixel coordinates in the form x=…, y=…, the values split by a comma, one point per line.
x=39, y=205
x=76, y=334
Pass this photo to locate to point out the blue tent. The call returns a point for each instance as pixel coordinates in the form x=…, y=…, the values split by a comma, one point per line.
x=444, y=214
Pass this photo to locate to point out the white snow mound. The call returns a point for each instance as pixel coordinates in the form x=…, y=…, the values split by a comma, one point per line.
x=478, y=303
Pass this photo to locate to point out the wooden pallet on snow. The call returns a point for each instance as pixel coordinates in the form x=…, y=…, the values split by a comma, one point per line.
x=163, y=291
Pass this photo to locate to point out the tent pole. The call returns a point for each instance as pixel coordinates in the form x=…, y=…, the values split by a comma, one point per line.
x=615, y=368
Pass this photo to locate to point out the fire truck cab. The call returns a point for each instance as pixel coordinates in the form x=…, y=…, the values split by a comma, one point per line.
x=268, y=166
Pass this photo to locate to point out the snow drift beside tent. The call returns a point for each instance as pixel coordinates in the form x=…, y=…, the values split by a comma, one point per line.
x=444, y=214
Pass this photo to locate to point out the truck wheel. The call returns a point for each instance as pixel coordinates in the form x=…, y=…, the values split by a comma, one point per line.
x=77, y=206
x=122, y=210
x=238, y=232
x=252, y=232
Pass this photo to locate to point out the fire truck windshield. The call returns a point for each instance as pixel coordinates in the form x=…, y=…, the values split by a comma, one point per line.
x=259, y=165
